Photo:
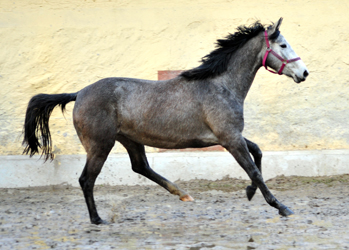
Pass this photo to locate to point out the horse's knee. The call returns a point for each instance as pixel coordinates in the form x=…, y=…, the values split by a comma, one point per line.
x=86, y=182
x=136, y=170
x=82, y=182
x=139, y=168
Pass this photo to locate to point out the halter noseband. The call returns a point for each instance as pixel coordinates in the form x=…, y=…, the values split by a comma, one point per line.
x=269, y=50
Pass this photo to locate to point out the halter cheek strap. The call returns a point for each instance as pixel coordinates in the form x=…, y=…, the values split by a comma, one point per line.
x=269, y=50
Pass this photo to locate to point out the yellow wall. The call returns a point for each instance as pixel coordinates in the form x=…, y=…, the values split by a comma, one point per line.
x=61, y=46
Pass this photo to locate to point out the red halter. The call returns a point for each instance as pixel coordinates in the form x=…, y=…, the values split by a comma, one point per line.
x=284, y=61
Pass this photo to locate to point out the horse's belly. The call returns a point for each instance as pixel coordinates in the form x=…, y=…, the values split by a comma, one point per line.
x=175, y=144
x=189, y=142
x=173, y=138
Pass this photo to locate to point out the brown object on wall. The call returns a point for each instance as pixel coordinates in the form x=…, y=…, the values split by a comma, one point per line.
x=169, y=74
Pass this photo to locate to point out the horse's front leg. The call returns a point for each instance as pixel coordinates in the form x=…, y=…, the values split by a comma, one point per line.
x=257, y=156
x=237, y=146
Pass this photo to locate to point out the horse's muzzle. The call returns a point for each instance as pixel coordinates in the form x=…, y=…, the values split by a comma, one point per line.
x=299, y=79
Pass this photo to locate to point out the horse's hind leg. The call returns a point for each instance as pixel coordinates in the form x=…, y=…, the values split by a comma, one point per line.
x=97, y=143
x=257, y=156
x=87, y=180
x=141, y=166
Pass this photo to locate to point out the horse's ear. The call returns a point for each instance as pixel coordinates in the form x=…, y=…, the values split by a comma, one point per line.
x=273, y=30
x=278, y=23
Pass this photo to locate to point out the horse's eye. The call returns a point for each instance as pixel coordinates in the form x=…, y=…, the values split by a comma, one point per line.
x=283, y=46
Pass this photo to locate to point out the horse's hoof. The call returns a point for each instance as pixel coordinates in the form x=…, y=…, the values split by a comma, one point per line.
x=250, y=191
x=99, y=221
x=285, y=211
x=186, y=197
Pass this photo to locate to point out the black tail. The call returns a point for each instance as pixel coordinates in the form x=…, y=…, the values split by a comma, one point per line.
x=37, y=120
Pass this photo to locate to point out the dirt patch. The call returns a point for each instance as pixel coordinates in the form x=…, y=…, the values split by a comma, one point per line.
x=147, y=217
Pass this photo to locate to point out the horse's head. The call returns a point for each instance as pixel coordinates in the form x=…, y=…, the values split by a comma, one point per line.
x=281, y=57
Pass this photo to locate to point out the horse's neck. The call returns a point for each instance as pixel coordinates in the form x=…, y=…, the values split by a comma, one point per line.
x=243, y=68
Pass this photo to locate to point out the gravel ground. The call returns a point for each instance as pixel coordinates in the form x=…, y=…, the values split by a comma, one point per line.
x=147, y=217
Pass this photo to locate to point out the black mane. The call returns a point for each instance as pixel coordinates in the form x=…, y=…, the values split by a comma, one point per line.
x=217, y=61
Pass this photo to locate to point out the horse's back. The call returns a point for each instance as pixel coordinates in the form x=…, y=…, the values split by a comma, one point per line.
x=100, y=105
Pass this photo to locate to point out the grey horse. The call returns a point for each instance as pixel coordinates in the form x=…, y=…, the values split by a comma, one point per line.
x=199, y=108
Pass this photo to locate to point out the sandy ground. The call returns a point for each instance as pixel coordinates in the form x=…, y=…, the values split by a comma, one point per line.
x=147, y=217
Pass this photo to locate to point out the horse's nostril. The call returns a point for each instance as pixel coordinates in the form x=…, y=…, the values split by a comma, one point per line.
x=306, y=73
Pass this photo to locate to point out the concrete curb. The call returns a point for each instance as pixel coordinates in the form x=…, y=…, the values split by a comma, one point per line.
x=22, y=171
